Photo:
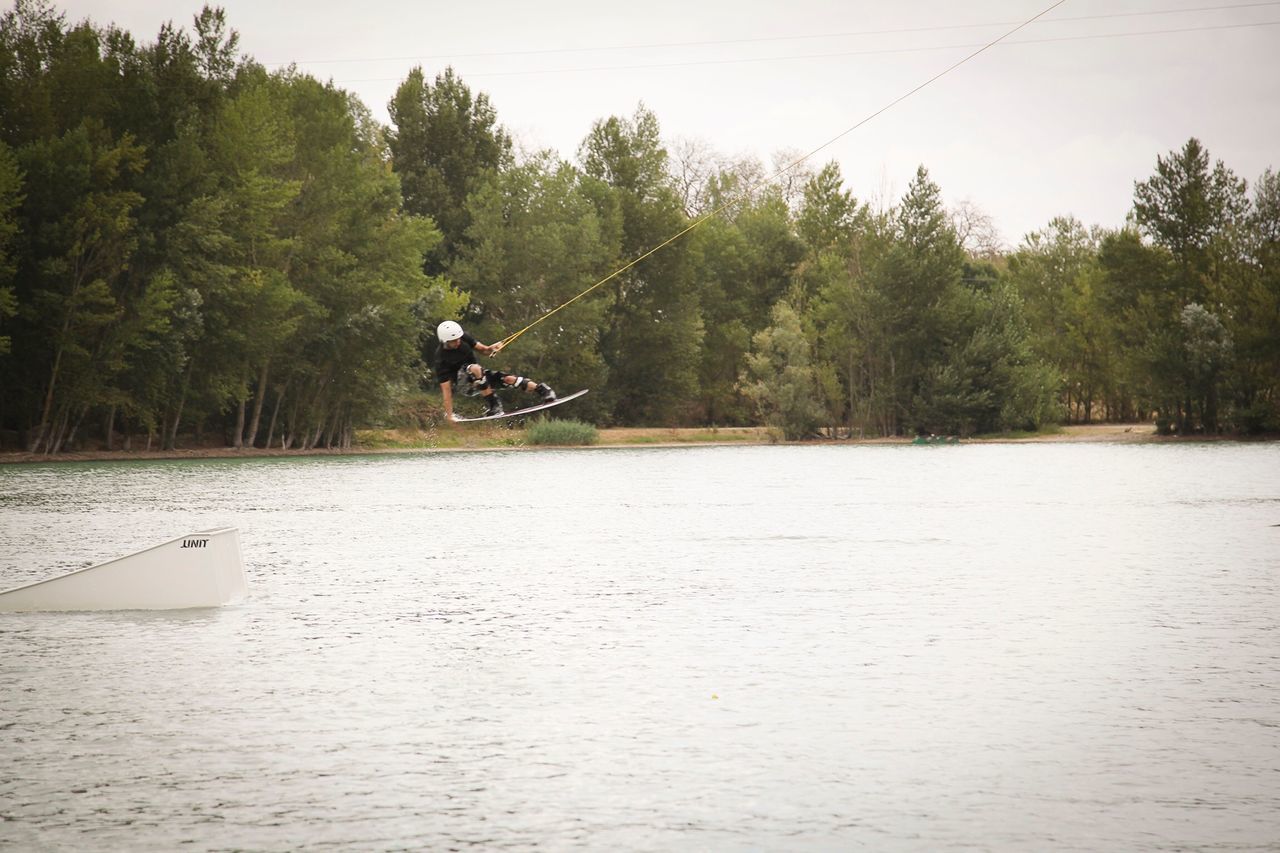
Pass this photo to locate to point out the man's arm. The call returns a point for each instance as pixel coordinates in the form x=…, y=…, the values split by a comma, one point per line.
x=446, y=389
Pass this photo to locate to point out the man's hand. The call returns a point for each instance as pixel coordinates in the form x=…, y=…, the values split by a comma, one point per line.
x=495, y=349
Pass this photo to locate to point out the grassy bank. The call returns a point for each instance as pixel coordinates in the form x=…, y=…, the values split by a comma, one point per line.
x=508, y=436
x=475, y=437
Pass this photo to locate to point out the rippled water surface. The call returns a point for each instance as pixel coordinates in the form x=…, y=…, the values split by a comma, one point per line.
x=1008, y=647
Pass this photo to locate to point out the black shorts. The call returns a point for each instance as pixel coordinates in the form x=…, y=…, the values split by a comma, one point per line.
x=492, y=379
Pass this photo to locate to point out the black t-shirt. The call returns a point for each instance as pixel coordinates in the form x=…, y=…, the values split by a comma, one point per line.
x=450, y=361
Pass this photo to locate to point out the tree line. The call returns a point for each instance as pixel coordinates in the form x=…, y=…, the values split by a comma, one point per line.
x=194, y=248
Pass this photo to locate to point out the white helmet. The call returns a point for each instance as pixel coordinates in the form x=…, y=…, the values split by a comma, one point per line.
x=448, y=331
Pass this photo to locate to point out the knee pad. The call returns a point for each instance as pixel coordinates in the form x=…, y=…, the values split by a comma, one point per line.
x=471, y=384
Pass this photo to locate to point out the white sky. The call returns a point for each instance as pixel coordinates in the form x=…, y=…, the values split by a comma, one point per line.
x=1061, y=124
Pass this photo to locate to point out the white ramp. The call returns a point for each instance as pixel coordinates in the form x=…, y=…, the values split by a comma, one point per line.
x=199, y=570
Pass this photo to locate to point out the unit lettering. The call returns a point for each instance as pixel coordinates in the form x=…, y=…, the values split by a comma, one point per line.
x=194, y=543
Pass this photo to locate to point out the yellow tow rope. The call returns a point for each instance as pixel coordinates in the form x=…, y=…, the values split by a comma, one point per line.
x=751, y=188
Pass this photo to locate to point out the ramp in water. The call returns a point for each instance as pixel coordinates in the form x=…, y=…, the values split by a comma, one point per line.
x=198, y=570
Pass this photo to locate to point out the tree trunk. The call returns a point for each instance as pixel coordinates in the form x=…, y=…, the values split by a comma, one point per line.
x=237, y=438
x=169, y=440
x=259, y=399
x=44, y=427
x=1211, y=408
x=71, y=437
x=169, y=435
x=852, y=387
x=335, y=424
x=169, y=431
x=275, y=412
x=110, y=429
x=58, y=428
x=292, y=427
x=893, y=391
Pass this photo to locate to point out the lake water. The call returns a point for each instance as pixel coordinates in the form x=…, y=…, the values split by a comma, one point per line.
x=991, y=647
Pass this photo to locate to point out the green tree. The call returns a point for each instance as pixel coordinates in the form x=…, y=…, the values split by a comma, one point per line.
x=1190, y=210
x=10, y=199
x=1135, y=278
x=988, y=379
x=836, y=232
x=76, y=191
x=745, y=260
x=850, y=340
x=724, y=259
x=829, y=216
x=912, y=335
x=1055, y=273
x=1254, y=314
x=780, y=378
x=922, y=264
x=356, y=258
x=235, y=251
x=445, y=143
x=654, y=329
x=1209, y=348
x=216, y=48
x=1196, y=214
x=628, y=155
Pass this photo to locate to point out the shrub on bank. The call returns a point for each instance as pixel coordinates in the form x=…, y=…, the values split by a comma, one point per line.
x=549, y=432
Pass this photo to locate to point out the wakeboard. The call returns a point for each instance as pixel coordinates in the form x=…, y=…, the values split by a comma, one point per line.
x=527, y=410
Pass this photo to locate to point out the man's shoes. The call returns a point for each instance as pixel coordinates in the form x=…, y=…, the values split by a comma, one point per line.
x=544, y=390
x=494, y=406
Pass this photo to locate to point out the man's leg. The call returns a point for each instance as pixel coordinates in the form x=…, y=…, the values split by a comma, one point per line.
x=532, y=386
x=480, y=379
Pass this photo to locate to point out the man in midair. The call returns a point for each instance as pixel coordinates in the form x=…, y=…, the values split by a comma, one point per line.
x=458, y=363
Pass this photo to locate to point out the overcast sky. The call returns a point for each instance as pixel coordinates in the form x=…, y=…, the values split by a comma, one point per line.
x=1061, y=121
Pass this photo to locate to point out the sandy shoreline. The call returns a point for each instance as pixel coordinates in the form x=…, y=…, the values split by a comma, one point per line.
x=609, y=438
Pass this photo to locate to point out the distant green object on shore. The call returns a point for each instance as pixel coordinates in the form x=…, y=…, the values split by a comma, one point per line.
x=936, y=439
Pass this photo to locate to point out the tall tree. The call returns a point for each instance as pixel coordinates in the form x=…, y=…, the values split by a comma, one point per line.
x=654, y=331
x=780, y=378
x=1135, y=277
x=1190, y=210
x=445, y=142
x=829, y=215
x=1055, y=274
x=235, y=250
x=356, y=259
x=745, y=261
x=923, y=263
x=10, y=199
x=832, y=227
x=1253, y=313
x=77, y=261
x=987, y=378
x=1196, y=214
